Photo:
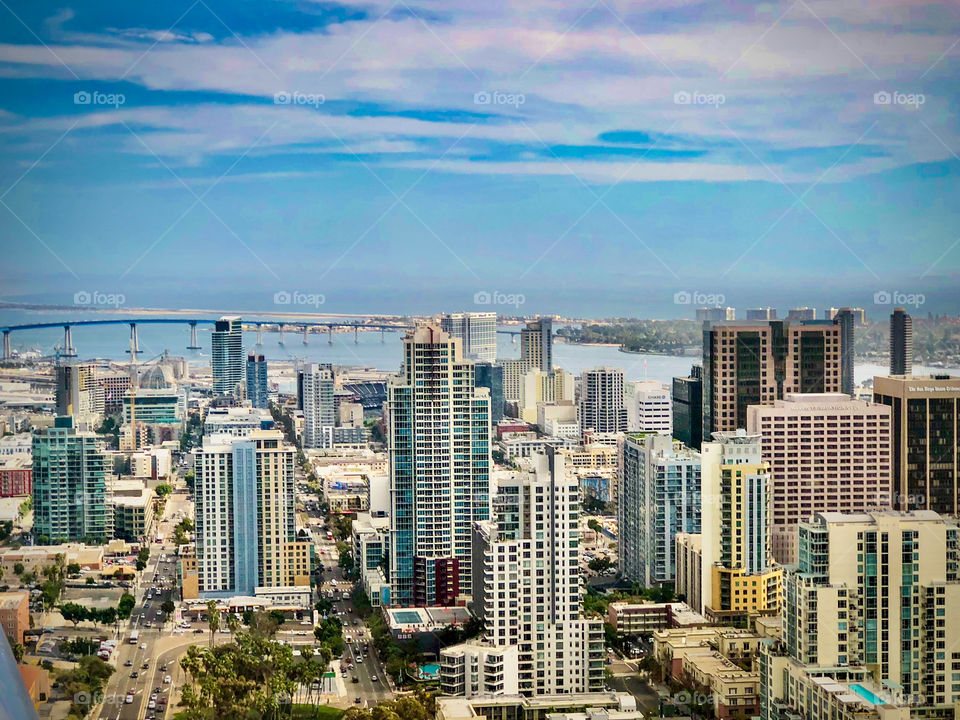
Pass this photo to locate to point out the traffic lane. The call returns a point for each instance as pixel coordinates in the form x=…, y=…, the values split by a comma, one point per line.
x=648, y=701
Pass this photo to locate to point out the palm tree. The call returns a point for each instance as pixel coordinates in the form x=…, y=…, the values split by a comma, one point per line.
x=213, y=618
x=233, y=622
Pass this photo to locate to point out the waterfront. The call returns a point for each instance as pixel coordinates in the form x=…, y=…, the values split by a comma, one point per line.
x=371, y=349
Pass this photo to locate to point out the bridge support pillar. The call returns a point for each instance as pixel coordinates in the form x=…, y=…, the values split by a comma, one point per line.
x=68, y=349
x=383, y=333
x=134, y=342
x=356, y=334
x=7, y=353
x=280, y=328
x=194, y=343
x=259, y=334
x=330, y=334
x=306, y=331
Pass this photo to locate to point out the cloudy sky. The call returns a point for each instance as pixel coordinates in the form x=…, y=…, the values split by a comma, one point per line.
x=595, y=158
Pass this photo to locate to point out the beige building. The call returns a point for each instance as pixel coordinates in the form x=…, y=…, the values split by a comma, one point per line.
x=826, y=452
x=537, y=386
x=15, y=614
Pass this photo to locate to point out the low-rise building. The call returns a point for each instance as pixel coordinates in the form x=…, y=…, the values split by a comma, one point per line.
x=16, y=476
x=479, y=668
x=15, y=614
x=645, y=618
x=131, y=504
x=572, y=706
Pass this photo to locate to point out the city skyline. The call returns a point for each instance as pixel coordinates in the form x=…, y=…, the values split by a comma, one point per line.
x=699, y=150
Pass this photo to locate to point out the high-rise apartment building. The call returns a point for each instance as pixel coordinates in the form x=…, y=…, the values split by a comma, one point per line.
x=756, y=363
x=490, y=376
x=738, y=576
x=601, y=406
x=536, y=344
x=245, y=515
x=926, y=442
x=767, y=313
x=477, y=332
x=513, y=372
x=901, y=342
x=226, y=356
x=536, y=386
x=257, y=391
x=317, y=397
x=439, y=445
x=876, y=590
x=801, y=314
x=69, y=487
x=527, y=581
x=79, y=393
x=648, y=407
x=826, y=452
x=687, y=401
x=659, y=497
x=715, y=314
x=846, y=319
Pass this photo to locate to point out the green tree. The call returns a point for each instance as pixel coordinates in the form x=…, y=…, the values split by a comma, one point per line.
x=18, y=568
x=163, y=490
x=74, y=613
x=73, y=569
x=213, y=619
x=125, y=606
x=167, y=607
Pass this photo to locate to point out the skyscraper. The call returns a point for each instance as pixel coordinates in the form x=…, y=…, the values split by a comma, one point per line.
x=901, y=342
x=79, y=393
x=69, y=489
x=756, y=363
x=926, y=444
x=738, y=576
x=846, y=319
x=767, y=313
x=687, y=400
x=257, y=392
x=226, y=356
x=659, y=497
x=477, y=332
x=490, y=376
x=439, y=446
x=527, y=581
x=601, y=406
x=245, y=515
x=648, y=407
x=826, y=452
x=319, y=412
x=536, y=344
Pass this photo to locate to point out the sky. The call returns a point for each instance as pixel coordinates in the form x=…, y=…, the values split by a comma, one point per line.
x=597, y=158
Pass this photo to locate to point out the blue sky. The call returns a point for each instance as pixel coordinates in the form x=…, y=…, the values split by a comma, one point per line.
x=596, y=158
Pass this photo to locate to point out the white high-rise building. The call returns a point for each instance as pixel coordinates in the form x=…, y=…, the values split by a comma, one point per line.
x=659, y=498
x=439, y=445
x=527, y=584
x=649, y=408
x=319, y=410
x=601, y=400
x=245, y=515
x=538, y=387
x=477, y=332
x=226, y=357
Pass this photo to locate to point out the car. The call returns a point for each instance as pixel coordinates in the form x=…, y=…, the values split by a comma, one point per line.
x=358, y=701
x=359, y=660
x=143, y=646
x=198, y=631
x=375, y=678
x=157, y=690
x=167, y=680
x=128, y=663
x=163, y=668
x=146, y=664
x=134, y=675
x=129, y=699
x=355, y=679
x=152, y=705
